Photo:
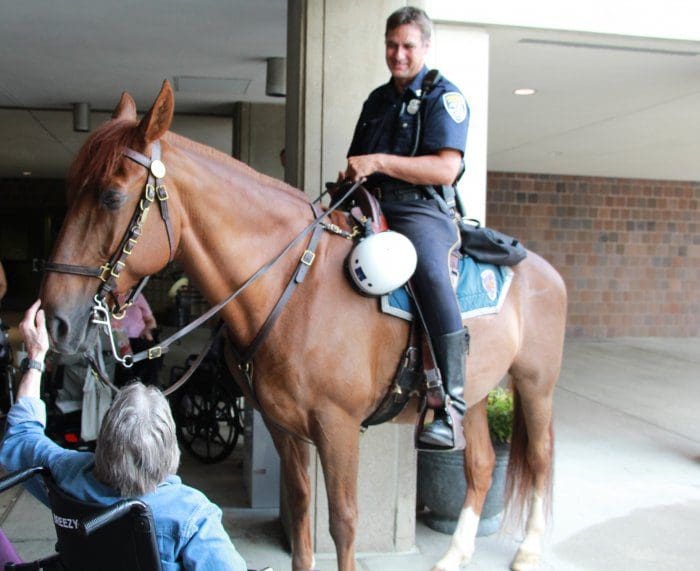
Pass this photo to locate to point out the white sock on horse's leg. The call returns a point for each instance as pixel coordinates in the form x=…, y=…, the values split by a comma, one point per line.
x=462, y=545
x=530, y=551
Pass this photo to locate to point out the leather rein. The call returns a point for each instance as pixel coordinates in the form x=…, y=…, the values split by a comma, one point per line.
x=109, y=273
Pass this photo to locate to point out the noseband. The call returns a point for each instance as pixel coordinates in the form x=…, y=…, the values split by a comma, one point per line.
x=109, y=272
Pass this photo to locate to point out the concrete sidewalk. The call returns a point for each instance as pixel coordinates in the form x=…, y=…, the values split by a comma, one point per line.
x=626, y=483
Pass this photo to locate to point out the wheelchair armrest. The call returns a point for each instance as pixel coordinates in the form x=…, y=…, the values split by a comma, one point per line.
x=20, y=476
x=51, y=562
x=113, y=513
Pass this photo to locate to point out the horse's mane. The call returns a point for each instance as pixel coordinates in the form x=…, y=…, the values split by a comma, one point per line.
x=239, y=166
x=100, y=155
x=98, y=158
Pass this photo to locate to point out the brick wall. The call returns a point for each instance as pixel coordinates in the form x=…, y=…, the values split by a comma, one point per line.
x=628, y=249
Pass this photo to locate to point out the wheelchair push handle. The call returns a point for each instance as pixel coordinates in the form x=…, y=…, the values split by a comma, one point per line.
x=20, y=476
x=119, y=509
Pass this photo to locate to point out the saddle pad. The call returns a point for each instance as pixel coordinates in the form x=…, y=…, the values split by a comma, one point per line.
x=481, y=290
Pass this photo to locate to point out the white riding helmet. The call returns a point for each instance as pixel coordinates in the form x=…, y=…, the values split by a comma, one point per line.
x=382, y=262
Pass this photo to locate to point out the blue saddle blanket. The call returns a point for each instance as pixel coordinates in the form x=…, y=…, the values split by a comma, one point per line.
x=481, y=290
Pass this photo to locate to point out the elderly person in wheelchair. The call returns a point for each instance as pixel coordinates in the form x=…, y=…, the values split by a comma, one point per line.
x=136, y=456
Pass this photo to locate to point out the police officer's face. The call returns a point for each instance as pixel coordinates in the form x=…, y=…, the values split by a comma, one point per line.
x=405, y=53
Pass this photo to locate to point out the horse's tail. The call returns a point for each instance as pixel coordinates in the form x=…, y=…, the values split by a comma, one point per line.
x=520, y=478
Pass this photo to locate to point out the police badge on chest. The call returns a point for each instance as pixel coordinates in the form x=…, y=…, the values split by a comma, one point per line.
x=413, y=106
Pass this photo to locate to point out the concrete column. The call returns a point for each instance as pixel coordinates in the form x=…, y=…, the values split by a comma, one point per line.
x=335, y=57
x=461, y=53
x=261, y=463
x=258, y=136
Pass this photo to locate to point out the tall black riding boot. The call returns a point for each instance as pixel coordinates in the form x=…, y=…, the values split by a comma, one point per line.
x=450, y=353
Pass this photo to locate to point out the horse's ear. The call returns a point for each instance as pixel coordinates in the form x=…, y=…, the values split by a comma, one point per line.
x=125, y=109
x=158, y=119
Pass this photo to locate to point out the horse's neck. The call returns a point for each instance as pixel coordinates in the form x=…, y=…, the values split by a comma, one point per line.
x=233, y=222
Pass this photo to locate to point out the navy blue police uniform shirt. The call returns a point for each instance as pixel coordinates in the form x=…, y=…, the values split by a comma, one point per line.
x=387, y=123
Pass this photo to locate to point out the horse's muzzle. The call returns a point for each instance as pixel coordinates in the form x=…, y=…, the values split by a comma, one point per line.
x=71, y=330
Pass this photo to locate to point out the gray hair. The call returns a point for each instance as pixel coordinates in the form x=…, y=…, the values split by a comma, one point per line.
x=410, y=15
x=137, y=447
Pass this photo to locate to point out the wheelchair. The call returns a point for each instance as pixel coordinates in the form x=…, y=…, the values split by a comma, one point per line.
x=208, y=409
x=120, y=537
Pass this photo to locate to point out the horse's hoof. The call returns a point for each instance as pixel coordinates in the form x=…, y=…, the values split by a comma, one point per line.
x=452, y=566
x=525, y=561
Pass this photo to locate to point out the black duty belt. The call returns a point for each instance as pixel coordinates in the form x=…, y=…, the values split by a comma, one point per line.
x=400, y=194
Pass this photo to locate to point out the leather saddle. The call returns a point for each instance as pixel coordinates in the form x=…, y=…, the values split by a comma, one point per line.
x=367, y=212
x=417, y=374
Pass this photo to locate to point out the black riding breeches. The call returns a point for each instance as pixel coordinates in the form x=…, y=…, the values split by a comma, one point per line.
x=434, y=235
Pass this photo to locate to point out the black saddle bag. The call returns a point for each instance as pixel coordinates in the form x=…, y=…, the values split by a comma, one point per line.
x=490, y=246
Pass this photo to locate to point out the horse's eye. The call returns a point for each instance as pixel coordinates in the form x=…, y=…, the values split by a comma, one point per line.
x=112, y=199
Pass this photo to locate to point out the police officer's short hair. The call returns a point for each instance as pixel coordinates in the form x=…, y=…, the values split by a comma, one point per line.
x=410, y=15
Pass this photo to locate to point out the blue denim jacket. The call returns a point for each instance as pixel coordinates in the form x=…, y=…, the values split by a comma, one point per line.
x=188, y=526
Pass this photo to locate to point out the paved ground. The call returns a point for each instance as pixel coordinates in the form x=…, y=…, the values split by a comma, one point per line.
x=627, y=474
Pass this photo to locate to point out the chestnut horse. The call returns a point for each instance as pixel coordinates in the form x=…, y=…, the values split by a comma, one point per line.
x=330, y=357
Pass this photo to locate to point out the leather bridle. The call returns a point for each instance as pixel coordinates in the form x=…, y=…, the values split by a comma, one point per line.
x=109, y=272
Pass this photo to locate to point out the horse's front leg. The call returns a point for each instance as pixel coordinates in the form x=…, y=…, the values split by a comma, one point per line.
x=479, y=460
x=294, y=457
x=337, y=440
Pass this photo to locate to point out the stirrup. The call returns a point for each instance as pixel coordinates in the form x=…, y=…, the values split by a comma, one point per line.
x=454, y=421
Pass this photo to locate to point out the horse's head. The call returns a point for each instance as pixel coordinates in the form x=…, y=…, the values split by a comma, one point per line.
x=106, y=194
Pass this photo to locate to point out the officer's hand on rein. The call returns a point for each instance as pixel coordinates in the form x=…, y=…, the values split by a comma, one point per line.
x=362, y=166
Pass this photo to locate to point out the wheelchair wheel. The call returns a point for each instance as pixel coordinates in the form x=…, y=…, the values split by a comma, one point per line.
x=209, y=419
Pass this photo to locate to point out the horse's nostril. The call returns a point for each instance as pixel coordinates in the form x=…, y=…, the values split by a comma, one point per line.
x=68, y=329
x=63, y=328
x=59, y=328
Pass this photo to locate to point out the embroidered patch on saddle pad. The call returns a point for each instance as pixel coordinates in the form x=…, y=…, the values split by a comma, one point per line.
x=481, y=290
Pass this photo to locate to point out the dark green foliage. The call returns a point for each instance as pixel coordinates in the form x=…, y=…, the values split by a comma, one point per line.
x=500, y=414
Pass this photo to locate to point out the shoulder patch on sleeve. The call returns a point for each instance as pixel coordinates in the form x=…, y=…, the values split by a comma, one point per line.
x=455, y=105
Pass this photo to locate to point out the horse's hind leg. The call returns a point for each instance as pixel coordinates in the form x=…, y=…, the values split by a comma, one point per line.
x=479, y=460
x=537, y=417
x=294, y=456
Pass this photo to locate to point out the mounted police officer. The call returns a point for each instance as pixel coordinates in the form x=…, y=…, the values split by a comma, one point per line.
x=409, y=142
